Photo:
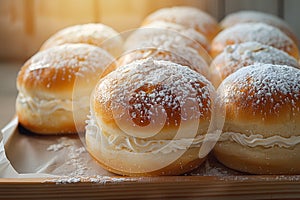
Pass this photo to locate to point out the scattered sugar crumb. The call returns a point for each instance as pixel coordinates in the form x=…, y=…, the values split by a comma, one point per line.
x=62, y=142
x=97, y=179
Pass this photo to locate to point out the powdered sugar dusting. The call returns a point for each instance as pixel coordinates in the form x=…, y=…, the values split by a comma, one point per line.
x=264, y=86
x=92, y=33
x=67, y=60
x=237, y=56
x=255, y=16
x=186, y=16
x=188, y=32
x=75, y=158
x=155, y=37
x=93, y=179
x=170, y=41
x=145, y=83
x=258, y=32
x=63, y=142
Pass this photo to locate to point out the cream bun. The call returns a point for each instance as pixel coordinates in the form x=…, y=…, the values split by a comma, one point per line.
x=53, y=82
x=149, y=118
x=261, y=134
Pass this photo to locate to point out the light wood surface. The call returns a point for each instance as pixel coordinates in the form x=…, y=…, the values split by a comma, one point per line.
x=180, y=187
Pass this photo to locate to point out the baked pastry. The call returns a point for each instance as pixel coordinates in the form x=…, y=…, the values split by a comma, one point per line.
x=56, y=81
x=261, y=134
x=187, y=32
x=258, y=32
x=93, y=33
x=246, y=16
x=149, y=118
x=189, y=17
x=241, y=55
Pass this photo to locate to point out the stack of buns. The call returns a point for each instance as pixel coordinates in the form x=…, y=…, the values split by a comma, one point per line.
x=149, y=110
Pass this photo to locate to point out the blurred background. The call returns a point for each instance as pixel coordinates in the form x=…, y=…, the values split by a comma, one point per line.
x=26, y=24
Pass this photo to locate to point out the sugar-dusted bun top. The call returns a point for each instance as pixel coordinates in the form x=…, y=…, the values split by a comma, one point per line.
x=246, y=16
x=172, y=41
x=241, y=55
x=258, y=32
x=156, y=54
x=166, y=39
x=263, y=96
x=93, y=33
x=188, y=32
x=52, y=72
x=150, y=94
x=188, y=17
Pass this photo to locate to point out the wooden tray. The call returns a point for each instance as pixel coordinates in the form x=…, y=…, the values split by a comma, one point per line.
x=193, y=185
x=183, y=187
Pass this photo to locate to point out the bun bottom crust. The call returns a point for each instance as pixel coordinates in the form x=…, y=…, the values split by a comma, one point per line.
x=57, y=122
x=123, y=163
x=258, y=160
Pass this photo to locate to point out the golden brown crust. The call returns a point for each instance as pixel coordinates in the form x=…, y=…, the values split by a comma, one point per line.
x=55, y=70
x=241, y=55
x=188, y=17
x=257, y=32
x=258, y=160
x=156, y=54
x=55, y=82
x=116, y=94
x=198, y=65
x=142, y=98
x=264, y=94
x=41, y=78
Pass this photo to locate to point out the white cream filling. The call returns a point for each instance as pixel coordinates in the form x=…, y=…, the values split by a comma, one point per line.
x=258, y=140
x=51, y=105
x=132, y=144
